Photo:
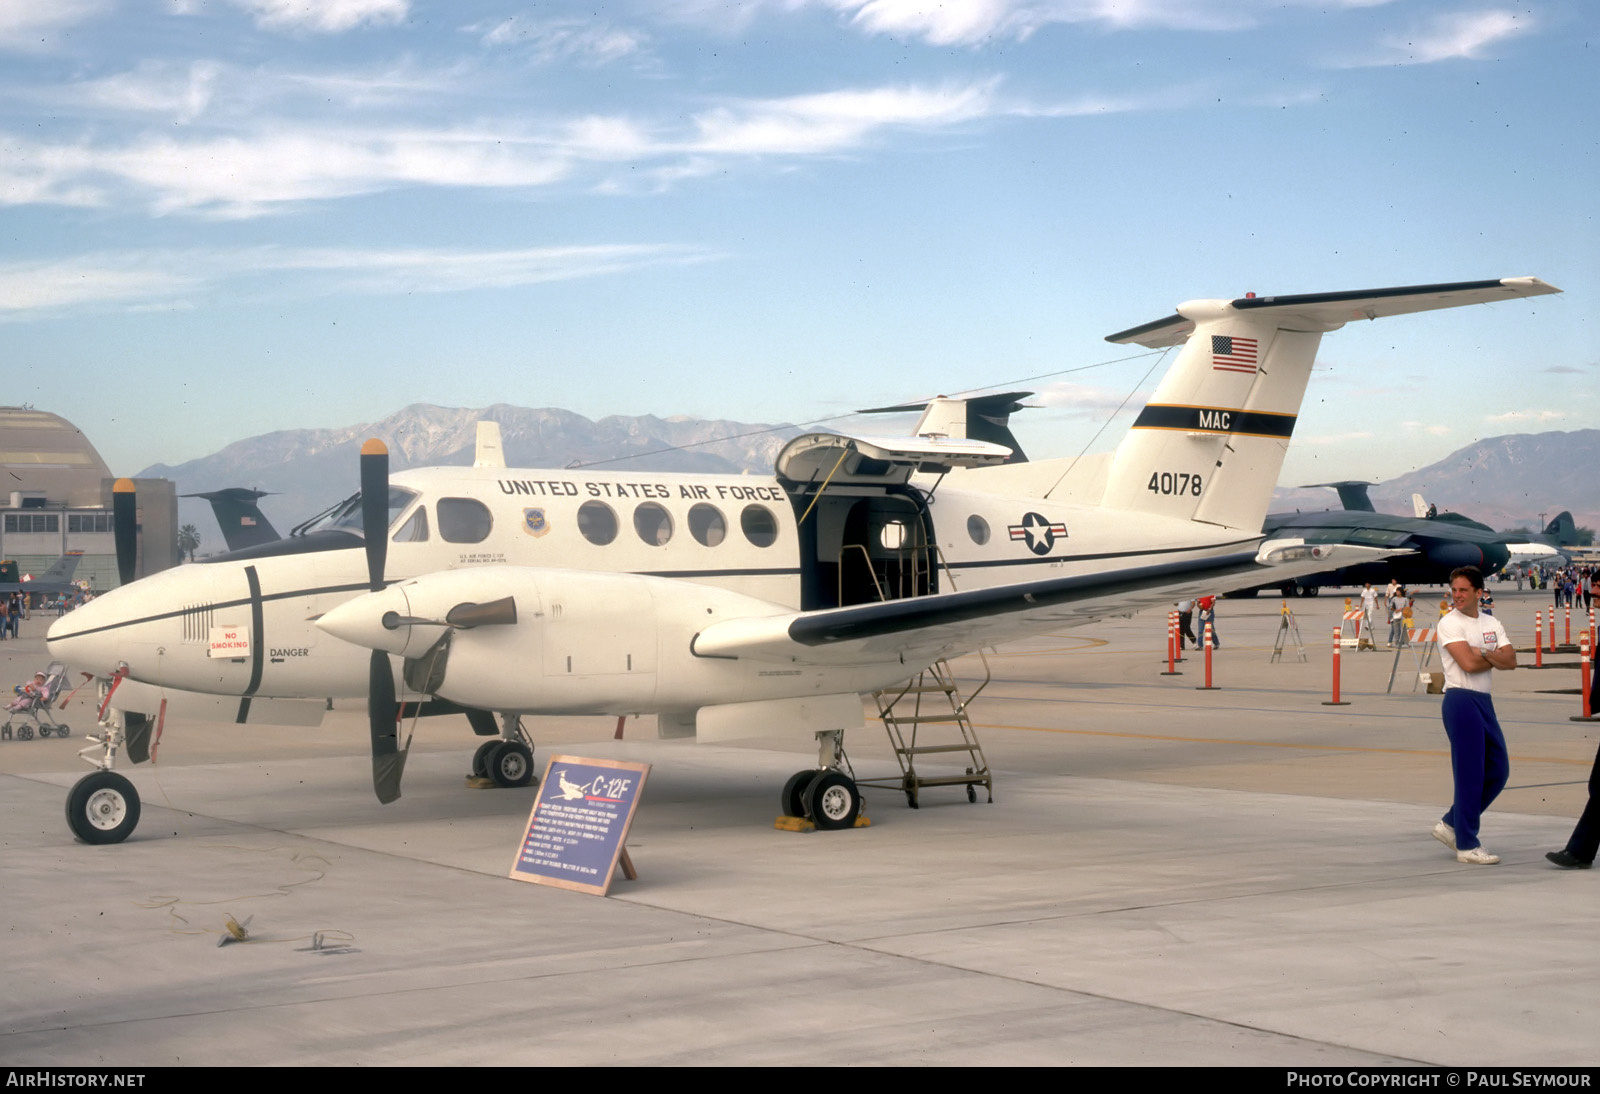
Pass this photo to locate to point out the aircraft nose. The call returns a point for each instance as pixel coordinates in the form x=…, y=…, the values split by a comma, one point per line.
x=98, y=635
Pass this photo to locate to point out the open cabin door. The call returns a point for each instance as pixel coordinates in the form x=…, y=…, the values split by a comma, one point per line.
x=866, y=534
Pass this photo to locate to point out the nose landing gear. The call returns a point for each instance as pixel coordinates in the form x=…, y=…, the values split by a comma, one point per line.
x=103, y=806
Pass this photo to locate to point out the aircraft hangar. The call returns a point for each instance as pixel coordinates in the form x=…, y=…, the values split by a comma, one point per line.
x=57, y=498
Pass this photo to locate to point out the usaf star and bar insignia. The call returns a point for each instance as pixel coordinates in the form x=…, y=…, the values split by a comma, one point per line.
x=1038, y=533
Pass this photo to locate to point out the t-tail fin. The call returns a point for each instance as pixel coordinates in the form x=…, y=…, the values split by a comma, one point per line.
x=1211, y=442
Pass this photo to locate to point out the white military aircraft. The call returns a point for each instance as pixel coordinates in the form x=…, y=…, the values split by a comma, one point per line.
x=729, y=606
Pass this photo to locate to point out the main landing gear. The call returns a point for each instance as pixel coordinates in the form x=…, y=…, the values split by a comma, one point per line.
x=508, y=760
x=825, y=795
x=103, y=807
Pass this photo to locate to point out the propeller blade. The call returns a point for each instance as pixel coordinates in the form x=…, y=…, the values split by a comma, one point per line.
x=375, y=508
x=495, y=613
x=125, y=528
x=388, y=758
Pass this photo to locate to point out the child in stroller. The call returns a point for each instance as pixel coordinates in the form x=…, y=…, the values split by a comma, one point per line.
x=34, y=701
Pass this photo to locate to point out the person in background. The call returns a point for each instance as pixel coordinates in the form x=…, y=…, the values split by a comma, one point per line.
x=1369, y=614
x=1579, y=852
x=1186, y=624
x=1397, y=616
x=1208, y=617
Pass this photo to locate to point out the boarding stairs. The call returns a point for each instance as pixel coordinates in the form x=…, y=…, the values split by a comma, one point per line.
x=927, y=716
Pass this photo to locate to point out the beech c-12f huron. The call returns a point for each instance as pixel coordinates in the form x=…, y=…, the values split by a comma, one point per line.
x=730, y=606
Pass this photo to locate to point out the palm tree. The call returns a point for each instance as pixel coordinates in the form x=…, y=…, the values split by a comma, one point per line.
x=188, y=540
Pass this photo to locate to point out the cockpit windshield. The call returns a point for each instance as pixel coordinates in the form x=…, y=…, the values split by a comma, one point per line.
x=346, y=516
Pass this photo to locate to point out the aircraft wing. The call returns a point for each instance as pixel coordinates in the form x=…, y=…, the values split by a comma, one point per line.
x=923, y=629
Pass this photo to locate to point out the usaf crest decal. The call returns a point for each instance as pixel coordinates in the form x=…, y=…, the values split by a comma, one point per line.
x=534, y=523
x=1038, y=533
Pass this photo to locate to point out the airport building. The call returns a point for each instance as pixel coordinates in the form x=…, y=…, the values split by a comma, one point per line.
x=57, y=498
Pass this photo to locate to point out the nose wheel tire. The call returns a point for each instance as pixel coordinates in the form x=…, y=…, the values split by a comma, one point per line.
x=510, y=764
x=832, y=800
x=103, y=808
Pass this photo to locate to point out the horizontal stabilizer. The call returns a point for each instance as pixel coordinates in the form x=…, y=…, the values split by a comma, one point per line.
x=1332, y=310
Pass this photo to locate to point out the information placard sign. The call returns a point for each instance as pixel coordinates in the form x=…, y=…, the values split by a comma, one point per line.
x=579, y=823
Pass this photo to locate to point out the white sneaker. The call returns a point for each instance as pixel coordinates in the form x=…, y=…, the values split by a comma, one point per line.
x=1477, y=857
x=1445, y=835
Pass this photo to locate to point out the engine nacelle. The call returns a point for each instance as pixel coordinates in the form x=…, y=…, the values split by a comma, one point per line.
x=578, y=641
x=1447, y=554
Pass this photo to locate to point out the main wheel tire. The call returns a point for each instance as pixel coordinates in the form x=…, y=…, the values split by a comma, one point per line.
x=103, y=808
x=24, y=733
x=793, y=798
x=480, y=758
x=510, y=764
x=832, y=800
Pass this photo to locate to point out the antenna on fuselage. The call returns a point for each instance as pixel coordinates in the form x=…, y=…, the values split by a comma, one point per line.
x=490, y=453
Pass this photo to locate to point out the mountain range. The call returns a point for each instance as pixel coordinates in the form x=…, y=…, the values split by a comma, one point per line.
x=1503, y=481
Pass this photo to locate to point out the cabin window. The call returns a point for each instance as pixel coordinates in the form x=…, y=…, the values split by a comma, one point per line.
x=760, y=527
x=653, y=523
x=464, y=520
x=707, y=525
x=414, y=530
x=597, y=522
x=978, y=529
x=892, y=535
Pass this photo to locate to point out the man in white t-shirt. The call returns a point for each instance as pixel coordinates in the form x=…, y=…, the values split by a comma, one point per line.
x=1472, y=643
x=1369, y=615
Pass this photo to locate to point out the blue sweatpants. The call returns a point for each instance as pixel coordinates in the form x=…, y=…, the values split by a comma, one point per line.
x=1477, y=759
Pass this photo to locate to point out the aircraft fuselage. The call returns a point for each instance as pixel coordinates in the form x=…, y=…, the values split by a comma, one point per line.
x=244, y=624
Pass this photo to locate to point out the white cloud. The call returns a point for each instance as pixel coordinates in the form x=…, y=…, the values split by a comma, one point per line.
x=182, y=92
x=833, y=121
x=1462, y=35
x=1537, y=416
x=71, y=282
x=1086, y=400
x=241, y=176
x=31, y=25
x=251, y=170
x=1433, y=428
x=323, y=16
x=976, y=22
x=163, y=279
x=551, y=40
x=430, y=270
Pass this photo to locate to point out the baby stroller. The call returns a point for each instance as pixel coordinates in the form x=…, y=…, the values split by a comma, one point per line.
x=34, y=703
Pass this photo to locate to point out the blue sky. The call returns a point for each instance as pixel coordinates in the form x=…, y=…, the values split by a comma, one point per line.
x=224, y=217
